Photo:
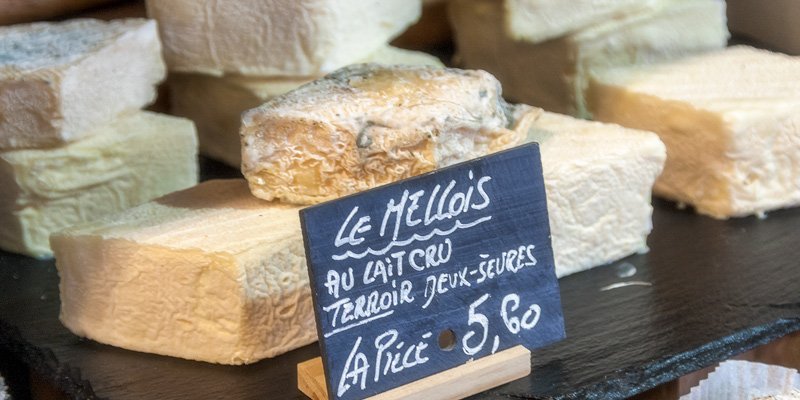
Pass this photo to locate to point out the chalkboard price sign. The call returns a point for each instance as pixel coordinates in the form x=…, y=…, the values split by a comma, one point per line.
x=423, y=275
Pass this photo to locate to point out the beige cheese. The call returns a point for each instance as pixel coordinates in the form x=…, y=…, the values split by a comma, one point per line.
x=539, y=20
x=60, y=81
x=136, y=158
x=210, y=273
x=216, y=104
x=598, y=179
x=730, y=120
x=554, y=74
x=367, y=125
x=276, y=38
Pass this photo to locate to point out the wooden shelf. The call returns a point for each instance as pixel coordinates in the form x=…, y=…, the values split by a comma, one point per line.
x=718, y=288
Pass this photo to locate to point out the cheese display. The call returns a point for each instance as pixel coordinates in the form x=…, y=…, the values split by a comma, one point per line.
x=210, y=273
x=598, y=179
x=215, y=103
x=554, y=74
x=59, y=81
x=730, y=120
x=366, y=125
x=137, y=158
x=539, y=20
x=283, y=38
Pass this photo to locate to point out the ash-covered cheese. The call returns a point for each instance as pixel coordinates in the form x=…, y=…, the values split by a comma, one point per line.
x=730, y=120
x=216, y=104
x=367, y=125
x=136, y=158
x=276, y=37
x=554, y=74
x=210, y=273
x=598, y=179
x=539, y=20
x=59, y=81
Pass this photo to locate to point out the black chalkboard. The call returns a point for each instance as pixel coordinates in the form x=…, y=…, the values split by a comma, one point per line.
x=420, y=276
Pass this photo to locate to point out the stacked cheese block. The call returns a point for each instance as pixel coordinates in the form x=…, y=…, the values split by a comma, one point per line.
x=233, y=56
x=730, y=120
x=543, y=51
x=217, y=272
x=74, y=144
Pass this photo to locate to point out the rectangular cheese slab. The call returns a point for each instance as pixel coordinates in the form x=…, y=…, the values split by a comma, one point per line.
x=136, y=158
x=730, y=120
x=274, y=37
x=210, y=273
x=216, y=103
x=59, y=81
x=554, y=74
x=539, y=20
x=598, y=179
x=368, y=124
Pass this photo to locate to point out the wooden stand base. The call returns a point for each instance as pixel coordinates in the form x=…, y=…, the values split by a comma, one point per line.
x=456, y=383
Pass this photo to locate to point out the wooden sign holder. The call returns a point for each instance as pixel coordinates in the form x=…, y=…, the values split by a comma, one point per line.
x=455, y=383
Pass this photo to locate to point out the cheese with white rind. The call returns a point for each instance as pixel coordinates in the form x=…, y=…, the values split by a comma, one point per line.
x=554, y=74
x=276, y=38
x=216, y=103
x=367, y=125
x=136, y=158
x=539, y=20
x=210, y=273
x=730, y=120
x=59, y=81
x=598, y=179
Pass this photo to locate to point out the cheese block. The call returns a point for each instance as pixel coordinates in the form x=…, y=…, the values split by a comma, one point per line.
x=730, y=120
x=773, y=24
x=209, y=273
x=134, y=159
x=273, y=37
x=598, y=179
x=539, y=20
x=59, y=81
x=216, y=104
x=367, y=125
x=554, y=74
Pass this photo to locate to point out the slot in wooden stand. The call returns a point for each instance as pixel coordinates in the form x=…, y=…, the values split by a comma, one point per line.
x=455, y=383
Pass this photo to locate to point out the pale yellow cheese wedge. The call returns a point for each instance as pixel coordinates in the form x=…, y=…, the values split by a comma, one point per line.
x=59, y=81
x=216, y=103
x=598, y=179
x=730, y=120
x=554, y=74
x=136, y=158
x=276, y=37
x=367, y=125
x=210, y=273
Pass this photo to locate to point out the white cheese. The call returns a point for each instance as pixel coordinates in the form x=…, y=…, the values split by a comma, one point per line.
x=598, y=179
x=210, y=273
x=539, y=20
x=136, y=158
x=367, y=125
x=216, y=104
x=554, y=74
x=730, y=120
x=59, y=81
x=276, y=38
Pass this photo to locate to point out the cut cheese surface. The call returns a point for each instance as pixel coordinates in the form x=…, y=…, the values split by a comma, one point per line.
x=276, y=38
x=730, y=120
x=216, y=103
x=366, y=125
x=598, y=179
x=136, y=158
x=60, y=81
x=210, y=273
x=539, y=20
x=554, y=74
